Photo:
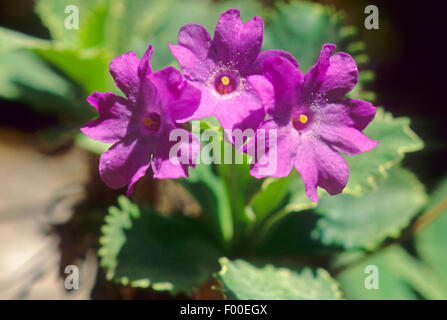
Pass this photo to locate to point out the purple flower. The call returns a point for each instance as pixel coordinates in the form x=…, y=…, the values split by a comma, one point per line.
x=313, y=120
x=220, y=66
x=140, y=126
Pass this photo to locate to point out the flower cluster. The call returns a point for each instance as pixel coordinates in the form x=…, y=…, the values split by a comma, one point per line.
x=229, y=77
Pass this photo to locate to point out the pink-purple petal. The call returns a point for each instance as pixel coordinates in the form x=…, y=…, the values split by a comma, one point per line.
x=145, y=68
x=206, y=107
x=332, y=76
x=275, y=148
x=265, y=90
x=348, y=112
x=317, y=74
x=237, y=42
x=194, y=68
x=125, y=162
x=258, y=64
x=113, y=119
x=362, y=112
x=320, y=165
x=124, y=70
x=242, y=111
x=165, y=167
x=336, y=114
x=347, y=140
x=179, y=98
x=287, y=81
x=195, y=38
x=149, y=99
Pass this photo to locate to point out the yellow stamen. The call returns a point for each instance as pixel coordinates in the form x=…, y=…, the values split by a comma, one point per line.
x=303, y=118
x=148, y=122
x=225, y=80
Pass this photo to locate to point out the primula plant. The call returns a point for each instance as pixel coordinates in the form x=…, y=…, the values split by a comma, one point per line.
x=264, y=124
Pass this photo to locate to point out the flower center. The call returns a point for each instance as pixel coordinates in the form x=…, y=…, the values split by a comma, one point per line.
x=225, y=84
x=225, y=80
x=152, y=122
x=300, y=122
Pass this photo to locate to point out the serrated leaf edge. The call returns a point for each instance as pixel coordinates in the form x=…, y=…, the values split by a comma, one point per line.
x=164, y=286
x=392, y=234
x=372, y=179
x=318, y=272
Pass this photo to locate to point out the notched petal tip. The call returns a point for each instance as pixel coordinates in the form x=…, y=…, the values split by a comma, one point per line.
x=328, y=49
x=235, y=14
x=145, y=67
x=237, y=42
x=326, y=52
x=122, y=63
x=231, y=13
x=288, y=56
x=332, y=75
x=345, y=59
x=190, y=33
x=113, y=117
x=257, y=25
x=193, y=46
x=93, y=99
x=362, y=112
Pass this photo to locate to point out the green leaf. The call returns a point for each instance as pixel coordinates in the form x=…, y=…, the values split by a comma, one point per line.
x=395, y=139
x=398, y=274
x=302, y=28
x=26, y=78
x=391, y=285
x=239, y=183
x=431, y=241
x=133, y=25
x=294, y=234
x=88, y=67
x=244, y=281
x=111, y=28
x=12, y=40
x=281, y=194
x=270, y=197
x=81, y=53
x=142, y=249
x=210, y=192
x=91, y=14
x=353, y=222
